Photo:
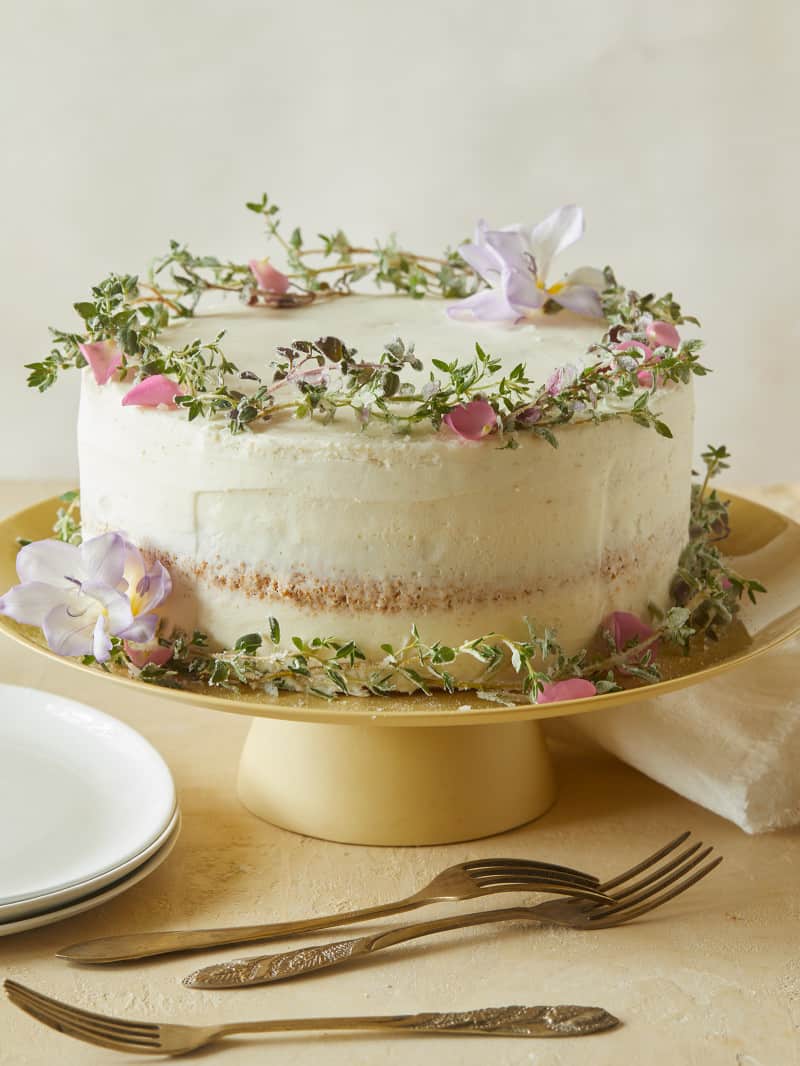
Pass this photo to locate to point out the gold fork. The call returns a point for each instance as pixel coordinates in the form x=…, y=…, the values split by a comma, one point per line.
x=466, y=880
x=164, y=1038
x=662, y=883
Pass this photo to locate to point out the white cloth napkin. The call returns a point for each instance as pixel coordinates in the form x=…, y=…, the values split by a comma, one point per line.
x=731, y=744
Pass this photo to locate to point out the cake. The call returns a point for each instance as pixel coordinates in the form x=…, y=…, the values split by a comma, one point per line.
x=359, y=532
x=302, y=481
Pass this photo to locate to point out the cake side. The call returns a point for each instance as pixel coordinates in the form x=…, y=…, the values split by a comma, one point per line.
x=362, y=534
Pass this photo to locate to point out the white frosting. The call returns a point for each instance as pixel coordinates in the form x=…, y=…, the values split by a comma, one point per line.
x=358, y=534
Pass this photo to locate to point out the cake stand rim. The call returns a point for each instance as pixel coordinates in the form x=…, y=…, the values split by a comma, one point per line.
x=367, y=710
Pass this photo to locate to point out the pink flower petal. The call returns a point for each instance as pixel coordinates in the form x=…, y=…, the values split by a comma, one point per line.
x=663, y=333
x=151, y=652
x=269, y=279
x=626, y=628
x=152, y=392
x=576, y=688
x=472, y=421
x=103, y=357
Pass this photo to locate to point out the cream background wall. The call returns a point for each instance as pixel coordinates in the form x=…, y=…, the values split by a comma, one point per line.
x=674, y=124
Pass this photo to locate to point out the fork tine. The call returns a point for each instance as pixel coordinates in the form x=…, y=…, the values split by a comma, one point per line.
x=526, y=876
x=478, y=864
x=645, y=863
x=660, y=880
x=660, y=871
x=14, y=988
x=83, y=1032
x=569, y=890
x=509, y=868
x=677, y=890
x=63, y=1013
x=61, y=1017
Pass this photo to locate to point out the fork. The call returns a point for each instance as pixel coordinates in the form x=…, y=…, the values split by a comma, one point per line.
x=164, y=1038
x=466, y=880
x=662, y=883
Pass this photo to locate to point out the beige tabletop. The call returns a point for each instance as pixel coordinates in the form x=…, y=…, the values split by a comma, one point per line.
x=713, y=979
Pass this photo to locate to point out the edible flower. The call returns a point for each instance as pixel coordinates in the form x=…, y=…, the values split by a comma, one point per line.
x=515, y=262
x=150, y=653
x=576, y=688
x=152, y=392
x=662, y=334
x=644, y=377
x=269, y=279
x=103, y=357
x=473, y=420
x=625, y=630
x=80, y=596
x=561, y=378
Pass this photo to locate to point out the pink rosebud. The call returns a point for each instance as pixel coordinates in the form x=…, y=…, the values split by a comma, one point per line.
x=150, y=652
x=626, y=628
x=152, y=392
x=103, y=357
x=577, y=688
x=472, y=421
x=269, y=279
x=663, y=333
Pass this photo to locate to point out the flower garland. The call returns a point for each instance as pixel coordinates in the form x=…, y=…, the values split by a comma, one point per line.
x=500, y=275
x=97, y=600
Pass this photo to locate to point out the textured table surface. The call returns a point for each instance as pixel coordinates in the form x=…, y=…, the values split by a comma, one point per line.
x=713, y=979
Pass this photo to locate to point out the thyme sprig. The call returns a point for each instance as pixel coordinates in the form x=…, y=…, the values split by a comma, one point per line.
x=326, y=375
x=336, y=264
x=706, y=595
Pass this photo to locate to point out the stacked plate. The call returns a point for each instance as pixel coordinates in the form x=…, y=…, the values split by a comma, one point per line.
x=87, y=808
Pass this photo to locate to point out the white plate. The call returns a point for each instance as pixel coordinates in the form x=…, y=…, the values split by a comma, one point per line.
x=81, y=794
x=97, y=898
x=26, y=908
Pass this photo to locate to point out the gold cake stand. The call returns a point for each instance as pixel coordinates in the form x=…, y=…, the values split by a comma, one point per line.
x=439, y=768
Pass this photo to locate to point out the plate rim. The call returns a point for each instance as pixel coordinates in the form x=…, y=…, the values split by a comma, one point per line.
x=406, y=711
x=145, y=745
x=105, y=895
x=81, y=889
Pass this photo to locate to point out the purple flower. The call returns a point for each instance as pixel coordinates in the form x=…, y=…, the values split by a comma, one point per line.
x=576, y=688
x=472, y=421
x=82, y=596
x=515, y=262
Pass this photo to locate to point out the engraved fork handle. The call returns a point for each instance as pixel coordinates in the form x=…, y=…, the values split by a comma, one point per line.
x=265, y=969
x=562, y=1020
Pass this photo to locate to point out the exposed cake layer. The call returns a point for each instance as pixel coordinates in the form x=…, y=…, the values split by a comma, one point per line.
x=360, y=534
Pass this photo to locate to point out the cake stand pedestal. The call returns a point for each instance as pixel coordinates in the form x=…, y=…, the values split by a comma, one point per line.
x=438, y=768
x=363, y=784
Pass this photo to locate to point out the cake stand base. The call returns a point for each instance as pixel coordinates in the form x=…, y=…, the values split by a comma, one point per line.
x=362, y=784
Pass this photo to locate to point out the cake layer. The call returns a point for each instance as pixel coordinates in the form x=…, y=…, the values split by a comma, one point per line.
x=359, y=534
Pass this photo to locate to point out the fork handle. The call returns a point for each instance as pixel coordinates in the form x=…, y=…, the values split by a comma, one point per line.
x=148, y=945
x=266, y=969
x=559, y=1020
